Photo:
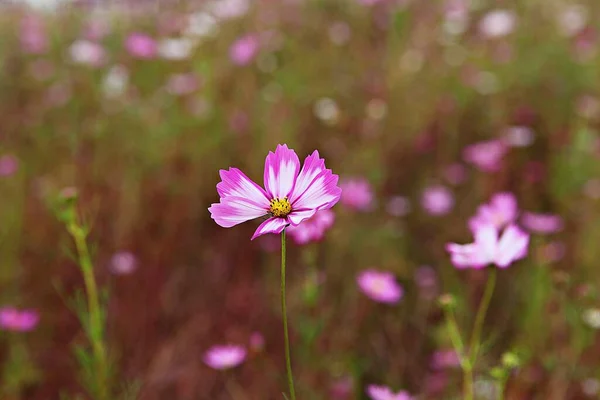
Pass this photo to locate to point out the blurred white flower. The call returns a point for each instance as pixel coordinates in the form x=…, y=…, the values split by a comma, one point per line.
x=115, y=82
x=376, y=109
x=519, y=136
x=497, y=23
x=572, y=20
x=175, y=49
x=87, y=52
x=227, y=9
x=590, y=387
x=327, y=110
x=201, y=24
x=45, y=5
x=339, y=33
x=591, y=317
x=487, y=83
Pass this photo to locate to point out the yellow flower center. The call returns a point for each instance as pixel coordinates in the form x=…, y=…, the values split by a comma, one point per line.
x=280, y=207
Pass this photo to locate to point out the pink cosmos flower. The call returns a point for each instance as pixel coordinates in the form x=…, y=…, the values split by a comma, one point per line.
x=88, y=53
x=497, y=23
x=377, y=392
x=313, y=229
x=357, y=194
x=9, y=165
x=499, y=212
x=140, y=45
x=225, y=357
x=291, y=196
x=485, y=155
x=380, y=286
x=244, y=49
x=542, y=223
x=490, y=248
x=15, y=320
x=123, y=263
x=437, y=200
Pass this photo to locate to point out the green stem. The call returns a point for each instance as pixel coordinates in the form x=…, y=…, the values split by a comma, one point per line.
x=459, y=347
x=95, y=322
x=468, y=382
x=474, y=345
x=288, y=361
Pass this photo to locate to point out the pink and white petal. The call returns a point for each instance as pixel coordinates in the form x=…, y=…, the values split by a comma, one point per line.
x=513, y=246
x=377, y=392
x=234, y=210
x=313, y=166
x=322, y=193
x=272, y=225
x=235, y=183
x=486, y=238
x=462, y=255
x=506, y=204
x=281, y=171
x=298, y=216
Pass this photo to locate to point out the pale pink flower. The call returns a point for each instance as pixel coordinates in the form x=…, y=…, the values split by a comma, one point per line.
x=499, y=212
x=437, y=200
x=542, y=223
x=490, y=248
x=229, y=9
x=140, y=45
x=33, y=36
x=244, y=49
x=357, y=194
x=123, y=263
x=225, y=357
x=182, y=84
x=88, y=53
x=379, y=392
x=380, y=286
x=443, y=359
x=9, y=165
x=455, y=174
x=291, y=196
x=497, y=23
x=313, y=229
x=398, y=206
x=341, y=389
x=487, y=155
x=12, y=319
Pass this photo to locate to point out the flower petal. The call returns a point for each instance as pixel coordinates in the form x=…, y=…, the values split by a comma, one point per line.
x=322, y=193
x=486, y=239
x=313, y=166
x=233, y=210
x=512, y=246
x=281, y=170
x=462, y=256
x=272, y=225
x=298, y=216
x=235, y=183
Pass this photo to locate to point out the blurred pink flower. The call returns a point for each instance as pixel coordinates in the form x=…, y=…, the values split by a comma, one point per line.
x=369, y=2
x=291, y=196
x=123, y=263
x=357, y=194
x=140, y=45
x=225, y=357
x=455, y=174
x=244, y=49
x=437, y=200
x=380, y=286
x=542, y=223
x=490, y=248
x=499, y=212
x=553, y=251
x=12, y=319
x=312, y=229
x=398, y=206
x=519, y=136
x=96, y=29
x=182, y=84
x=377, y=392
x=33, y=36
x=485, y=155
x=436, y=383
x=87, y=53
x=443, y=359
x=497, y=23
x=239, y=121
x=341, y=389
x=427, y=281
x=9, y=165
x=257, y=342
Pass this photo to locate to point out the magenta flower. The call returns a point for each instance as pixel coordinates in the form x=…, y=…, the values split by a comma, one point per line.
x=15, y=320
x=9, y=165
x=437, y=200
x=485, y=155
x=377, y=392
x=490, y=248
x=291, y=196
x=313, y=229
x=542, y=223
x=257, y=342
x=499, y=212
x=244, y=49
x=380, y=286
x=357, y=194
x=225, y=357
x=140, y=45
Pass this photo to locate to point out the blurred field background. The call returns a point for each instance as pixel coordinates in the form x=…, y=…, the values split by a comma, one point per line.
x=389, y=91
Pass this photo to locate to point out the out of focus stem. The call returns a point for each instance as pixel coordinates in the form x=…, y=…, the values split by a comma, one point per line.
x=288, y=360
x=474, y=345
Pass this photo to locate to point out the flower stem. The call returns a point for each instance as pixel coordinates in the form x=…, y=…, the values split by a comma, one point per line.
x=479, y=319
x=288, y=361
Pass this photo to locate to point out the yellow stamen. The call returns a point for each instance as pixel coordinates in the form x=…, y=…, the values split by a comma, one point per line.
x=280, y=207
